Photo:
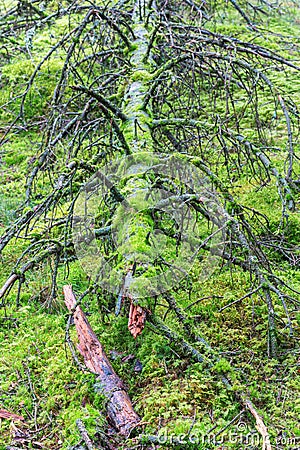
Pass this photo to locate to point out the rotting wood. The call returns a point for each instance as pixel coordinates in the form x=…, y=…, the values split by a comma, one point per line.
x=119, y=407
x=136, y=320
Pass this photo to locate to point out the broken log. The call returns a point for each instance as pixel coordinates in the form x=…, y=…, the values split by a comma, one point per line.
x=119, y=407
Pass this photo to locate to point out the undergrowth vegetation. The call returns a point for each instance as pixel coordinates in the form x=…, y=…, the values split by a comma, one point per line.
x=172, y=393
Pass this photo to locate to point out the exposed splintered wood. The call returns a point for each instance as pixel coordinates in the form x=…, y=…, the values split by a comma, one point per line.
x=8, y=415
x=136, y=320
x=119, y=407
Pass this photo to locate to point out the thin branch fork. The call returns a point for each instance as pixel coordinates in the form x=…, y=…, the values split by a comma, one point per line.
x=113, y=25
x=119, y=407
x=19, y=275
x=102, y=100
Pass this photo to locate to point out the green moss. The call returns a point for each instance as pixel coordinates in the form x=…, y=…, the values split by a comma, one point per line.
x=141, y=75
x=223, y=366
x=36, y=347
x=133, y=48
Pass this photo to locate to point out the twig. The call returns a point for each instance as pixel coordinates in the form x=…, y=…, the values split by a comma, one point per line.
x=84, y=434
x=242, y=298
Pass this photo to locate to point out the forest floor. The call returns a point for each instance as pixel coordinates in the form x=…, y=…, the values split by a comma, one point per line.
x=40, y=381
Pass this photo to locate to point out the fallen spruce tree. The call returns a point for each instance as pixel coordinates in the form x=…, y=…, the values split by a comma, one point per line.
x=148, y=118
